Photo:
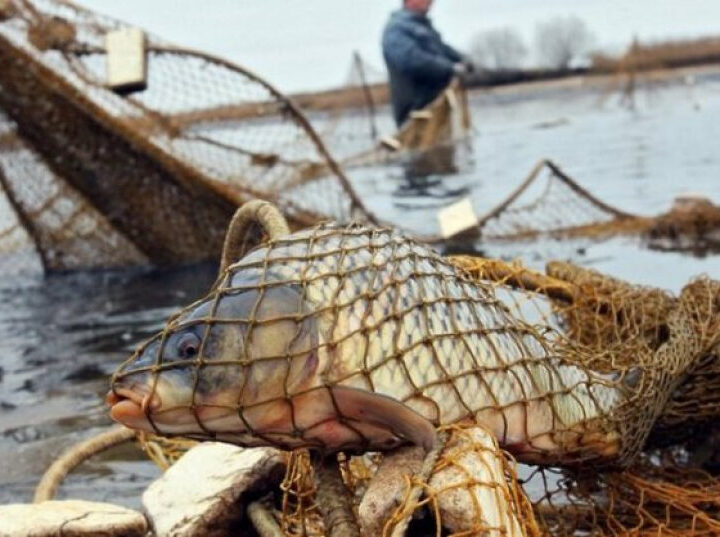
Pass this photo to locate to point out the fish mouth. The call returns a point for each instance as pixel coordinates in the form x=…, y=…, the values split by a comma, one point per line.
x=131, y=406
x=137, y=407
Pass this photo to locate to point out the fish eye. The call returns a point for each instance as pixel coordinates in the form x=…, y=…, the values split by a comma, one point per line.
x=188, y=346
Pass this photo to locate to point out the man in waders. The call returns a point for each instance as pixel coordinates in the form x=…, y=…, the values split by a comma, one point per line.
x=419, y=63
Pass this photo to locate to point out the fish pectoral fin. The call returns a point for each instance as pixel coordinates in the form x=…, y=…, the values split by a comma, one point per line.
x=385, y=412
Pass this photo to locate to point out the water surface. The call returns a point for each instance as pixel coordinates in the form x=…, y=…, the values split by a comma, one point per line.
x=60, y=337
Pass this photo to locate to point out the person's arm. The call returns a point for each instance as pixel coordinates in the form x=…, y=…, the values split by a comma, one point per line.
x=405, y=54
x=452, y=54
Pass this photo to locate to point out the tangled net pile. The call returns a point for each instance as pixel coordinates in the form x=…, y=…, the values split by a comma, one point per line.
x=93, y=177
x=670, y=487
x=646, y=466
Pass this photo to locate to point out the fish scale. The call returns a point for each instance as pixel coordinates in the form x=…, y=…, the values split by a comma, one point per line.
x=407, y=296
x=398, y=335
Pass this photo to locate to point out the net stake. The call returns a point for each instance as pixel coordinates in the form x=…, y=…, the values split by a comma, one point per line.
x=333, y=499
x=263, y=521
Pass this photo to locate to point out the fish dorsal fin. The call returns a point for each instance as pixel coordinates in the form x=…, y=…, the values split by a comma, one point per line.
x=252, y=225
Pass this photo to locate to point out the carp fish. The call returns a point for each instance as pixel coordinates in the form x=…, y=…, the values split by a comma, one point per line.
x=357, y=339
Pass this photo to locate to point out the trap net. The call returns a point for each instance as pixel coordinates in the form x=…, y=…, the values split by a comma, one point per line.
x=96, y=173
x=100, y=172
x=551, y=204
x=353, y=118
x=600, y=389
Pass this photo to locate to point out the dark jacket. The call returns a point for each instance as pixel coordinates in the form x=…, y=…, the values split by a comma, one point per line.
x=419, y=63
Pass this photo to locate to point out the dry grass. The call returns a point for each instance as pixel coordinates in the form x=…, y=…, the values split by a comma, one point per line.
x=661, y=55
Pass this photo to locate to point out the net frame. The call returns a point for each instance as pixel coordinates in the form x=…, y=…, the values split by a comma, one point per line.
x=174, y=145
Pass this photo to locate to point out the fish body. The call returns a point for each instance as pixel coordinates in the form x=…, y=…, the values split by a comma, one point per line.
x=360, y=339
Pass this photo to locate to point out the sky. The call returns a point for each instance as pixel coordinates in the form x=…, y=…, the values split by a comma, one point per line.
x=307, y=44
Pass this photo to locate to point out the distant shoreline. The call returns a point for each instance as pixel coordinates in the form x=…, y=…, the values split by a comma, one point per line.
x=357, y=96
x=590, y=79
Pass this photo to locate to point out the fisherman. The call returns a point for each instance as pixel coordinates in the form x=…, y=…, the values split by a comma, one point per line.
x=420, y=64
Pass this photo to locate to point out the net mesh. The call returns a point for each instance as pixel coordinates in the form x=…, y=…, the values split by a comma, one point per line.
x=550, y=203
x=157, y=173
x=95, y=177
x=49, y=223
x=355, y=339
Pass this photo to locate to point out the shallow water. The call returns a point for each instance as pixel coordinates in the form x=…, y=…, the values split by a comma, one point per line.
x=61, y=337
x=637, y=160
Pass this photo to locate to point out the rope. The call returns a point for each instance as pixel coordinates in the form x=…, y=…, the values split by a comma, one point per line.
x=76, y=455
x=252, y=224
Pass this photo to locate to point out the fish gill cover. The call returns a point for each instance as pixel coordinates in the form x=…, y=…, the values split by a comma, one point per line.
x=597, y=395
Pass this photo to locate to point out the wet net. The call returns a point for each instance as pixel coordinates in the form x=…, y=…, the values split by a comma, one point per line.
x=356, y=340
x=354, y=117
x=550, y=203
x=99, y=175
x=332, y=314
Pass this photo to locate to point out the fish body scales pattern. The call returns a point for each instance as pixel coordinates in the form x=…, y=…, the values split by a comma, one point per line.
x=397, y=320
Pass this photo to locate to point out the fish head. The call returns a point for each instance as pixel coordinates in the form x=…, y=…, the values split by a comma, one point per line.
x=226, y=367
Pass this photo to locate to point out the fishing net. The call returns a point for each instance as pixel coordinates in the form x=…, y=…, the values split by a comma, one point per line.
x=94, y=175
x=374, y=311
x=550, y=203
x=603, y=391
x=473, y=490
x=669, y=488
x=46, y=222
x=99, y=177
x=353, y=118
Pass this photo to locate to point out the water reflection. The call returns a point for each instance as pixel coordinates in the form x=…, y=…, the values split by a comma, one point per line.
x=426, y=173
x=60, y=339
